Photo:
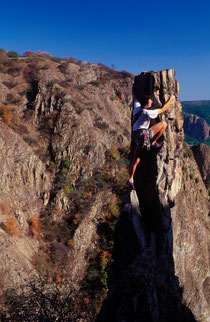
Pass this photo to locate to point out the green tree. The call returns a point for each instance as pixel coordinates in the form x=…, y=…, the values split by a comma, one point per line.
x=12, y=54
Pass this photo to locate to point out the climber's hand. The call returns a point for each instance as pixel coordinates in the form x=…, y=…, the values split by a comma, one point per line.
x=172, y=97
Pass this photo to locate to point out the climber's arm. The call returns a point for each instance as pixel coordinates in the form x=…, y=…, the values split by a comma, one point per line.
x=166, y=106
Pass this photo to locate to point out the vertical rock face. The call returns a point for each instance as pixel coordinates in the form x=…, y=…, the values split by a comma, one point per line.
x=161, y=238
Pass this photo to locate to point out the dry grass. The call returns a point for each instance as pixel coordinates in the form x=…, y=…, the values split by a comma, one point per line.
x=10, y=226
x=35, y=225
x=5, y=207
x=6, y=113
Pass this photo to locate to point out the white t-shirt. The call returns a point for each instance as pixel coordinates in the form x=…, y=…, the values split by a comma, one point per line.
x=143, y=121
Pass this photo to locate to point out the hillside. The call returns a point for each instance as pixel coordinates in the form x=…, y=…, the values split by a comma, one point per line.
x=196, y=121
x=65, y=133
x=199, y=108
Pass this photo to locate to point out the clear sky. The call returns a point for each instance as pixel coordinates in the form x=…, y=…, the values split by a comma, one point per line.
x=133, y=35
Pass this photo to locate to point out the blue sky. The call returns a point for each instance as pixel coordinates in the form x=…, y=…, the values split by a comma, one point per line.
x=133, y=35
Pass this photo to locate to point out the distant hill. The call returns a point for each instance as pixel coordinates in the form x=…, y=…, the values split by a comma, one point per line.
x=200, y=108
x=196, y=121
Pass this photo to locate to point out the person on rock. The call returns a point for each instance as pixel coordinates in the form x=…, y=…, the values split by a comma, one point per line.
x=142, y=115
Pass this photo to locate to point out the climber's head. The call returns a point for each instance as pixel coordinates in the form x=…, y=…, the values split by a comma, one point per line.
x=146, y=101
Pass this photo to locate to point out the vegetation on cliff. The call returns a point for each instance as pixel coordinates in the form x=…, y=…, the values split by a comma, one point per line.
x=65, y=128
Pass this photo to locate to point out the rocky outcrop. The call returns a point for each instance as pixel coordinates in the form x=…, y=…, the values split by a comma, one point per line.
x=196, y=127
x=160, y=272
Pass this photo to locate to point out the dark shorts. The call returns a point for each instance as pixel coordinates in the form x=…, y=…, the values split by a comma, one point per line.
x=137, y=137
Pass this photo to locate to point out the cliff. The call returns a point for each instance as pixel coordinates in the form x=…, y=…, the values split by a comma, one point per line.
x=196, y=127
x=60, y=129
x=64, y=138
x=202, y=156
x=160, y=270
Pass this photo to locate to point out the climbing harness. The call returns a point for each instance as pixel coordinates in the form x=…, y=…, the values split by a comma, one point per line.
x=142, y=139
x=146, y=139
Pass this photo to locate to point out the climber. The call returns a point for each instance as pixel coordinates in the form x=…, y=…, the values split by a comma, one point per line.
x=141, y=131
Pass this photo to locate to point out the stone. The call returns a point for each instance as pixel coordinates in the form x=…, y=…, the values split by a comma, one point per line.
x=165, y=256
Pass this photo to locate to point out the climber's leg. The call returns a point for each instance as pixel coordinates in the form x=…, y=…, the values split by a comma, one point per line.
x=134, y=164
x=157, y=130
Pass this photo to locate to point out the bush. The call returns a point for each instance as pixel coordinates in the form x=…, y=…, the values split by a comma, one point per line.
x=6, y=113
x=184, y=169
x=114, y=153
x=12, y=54
x=67, y=189
x=191, y=176
x=196, y=180
x=66, y=163
x=56, y=60
x=62, y=181
x=51, y=166
x=114, y=209
x=10, y=226
x=35, y=225
x=112, y=98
